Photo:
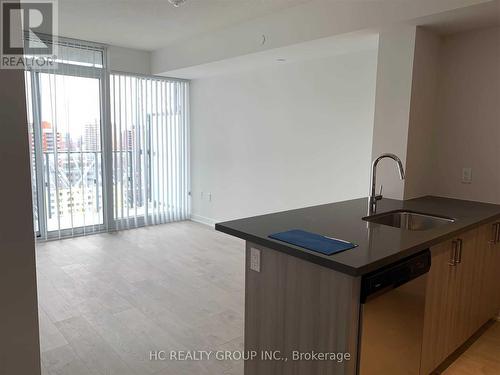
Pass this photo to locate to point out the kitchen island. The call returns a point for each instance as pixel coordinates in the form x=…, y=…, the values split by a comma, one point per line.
x=301, y=301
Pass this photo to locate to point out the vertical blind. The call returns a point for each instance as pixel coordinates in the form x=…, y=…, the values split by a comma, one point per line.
x=150, y=139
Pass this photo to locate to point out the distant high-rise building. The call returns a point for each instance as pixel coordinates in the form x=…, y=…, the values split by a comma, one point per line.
x=91, y=137
x=48, y=139
x=47, y=136
x=130, y=139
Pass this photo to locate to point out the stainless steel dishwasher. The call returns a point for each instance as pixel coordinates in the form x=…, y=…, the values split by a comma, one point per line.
x=392, y=317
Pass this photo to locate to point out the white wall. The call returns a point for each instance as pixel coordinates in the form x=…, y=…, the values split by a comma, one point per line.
x=420, y=153
x=453, y=117
x=282, y=137
x=129, y=60
x=468, y=119
x=392, y=105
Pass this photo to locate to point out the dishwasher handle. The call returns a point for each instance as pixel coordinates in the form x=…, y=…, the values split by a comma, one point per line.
x=390, y=277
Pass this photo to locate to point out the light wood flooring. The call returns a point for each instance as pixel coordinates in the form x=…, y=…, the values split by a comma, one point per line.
x=482, y=357
x=107, y=300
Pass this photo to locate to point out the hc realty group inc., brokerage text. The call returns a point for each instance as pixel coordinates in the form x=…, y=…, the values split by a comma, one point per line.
x=246, y=355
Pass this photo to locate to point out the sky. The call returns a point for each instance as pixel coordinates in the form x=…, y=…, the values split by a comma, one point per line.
x=73, y=100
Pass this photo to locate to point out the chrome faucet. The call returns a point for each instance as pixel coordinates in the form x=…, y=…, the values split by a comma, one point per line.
x=374, y=197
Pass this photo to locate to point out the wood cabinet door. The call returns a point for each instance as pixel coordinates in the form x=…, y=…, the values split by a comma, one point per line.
x=489, y=269
x=450, y=316
x=461, y=296
x=440, y=296
x=495, y=277
x=483, y=275
x=467, y=287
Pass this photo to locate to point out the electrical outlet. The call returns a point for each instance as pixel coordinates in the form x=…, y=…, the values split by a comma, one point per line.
x=255, y=259
x=466, y=175
x=210, y=197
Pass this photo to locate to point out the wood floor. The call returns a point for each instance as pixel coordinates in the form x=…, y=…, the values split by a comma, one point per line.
x=106, y=301
x=483, y=356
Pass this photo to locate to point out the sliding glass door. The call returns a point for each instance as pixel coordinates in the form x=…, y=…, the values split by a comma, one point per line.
x=65, y=116
x=108, y=151
x=71, y=151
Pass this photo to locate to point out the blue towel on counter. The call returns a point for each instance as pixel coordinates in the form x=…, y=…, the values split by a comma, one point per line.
x=312, y=241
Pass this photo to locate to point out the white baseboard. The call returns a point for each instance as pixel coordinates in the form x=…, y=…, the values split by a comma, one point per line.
x=203, y=220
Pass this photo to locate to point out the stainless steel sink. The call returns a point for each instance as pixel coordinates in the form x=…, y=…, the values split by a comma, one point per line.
x=409, y=220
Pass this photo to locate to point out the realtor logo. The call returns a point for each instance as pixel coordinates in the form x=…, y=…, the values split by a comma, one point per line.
x=29, y=30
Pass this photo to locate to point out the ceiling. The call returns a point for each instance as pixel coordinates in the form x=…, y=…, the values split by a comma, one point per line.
x=152, y=24
x=319, y=48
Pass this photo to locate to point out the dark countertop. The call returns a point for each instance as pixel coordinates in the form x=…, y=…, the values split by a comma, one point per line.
x=379, y=245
